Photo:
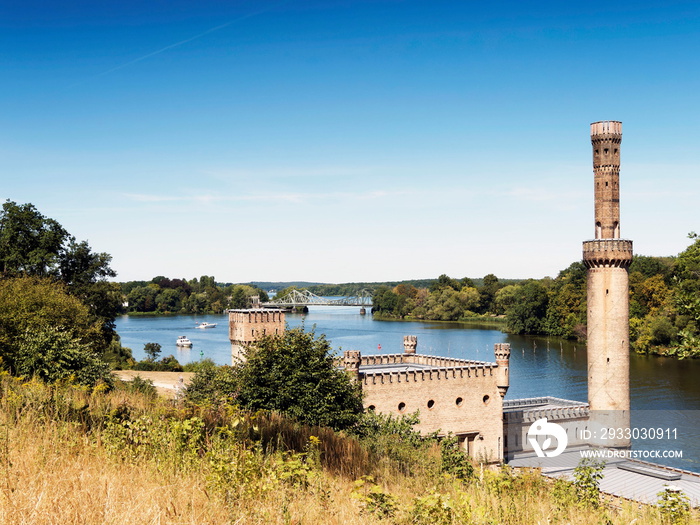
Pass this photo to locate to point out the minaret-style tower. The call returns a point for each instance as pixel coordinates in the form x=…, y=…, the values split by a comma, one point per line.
x=608, y=259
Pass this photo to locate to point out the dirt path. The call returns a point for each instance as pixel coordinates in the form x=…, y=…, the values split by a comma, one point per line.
x=165, y=382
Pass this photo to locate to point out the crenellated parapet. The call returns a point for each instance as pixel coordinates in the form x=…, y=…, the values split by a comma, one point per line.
x=607, y=253
x=502, y=352
x=413, y=375
x=417, y=359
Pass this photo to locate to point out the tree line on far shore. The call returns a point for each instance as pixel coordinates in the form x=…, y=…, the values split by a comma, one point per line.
x=664, y=303
x=180, y=296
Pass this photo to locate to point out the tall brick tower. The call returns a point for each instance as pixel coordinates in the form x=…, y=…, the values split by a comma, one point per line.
x=608, y=258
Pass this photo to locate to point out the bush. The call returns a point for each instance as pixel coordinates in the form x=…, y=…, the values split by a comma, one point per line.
x=293, y=374
x=167, y=364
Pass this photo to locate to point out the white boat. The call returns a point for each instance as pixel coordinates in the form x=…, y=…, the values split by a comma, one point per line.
x=204, y=324
x=183, y=341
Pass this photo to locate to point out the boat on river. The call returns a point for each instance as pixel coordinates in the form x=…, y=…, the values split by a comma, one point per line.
x=183, y=341
x=204, y=324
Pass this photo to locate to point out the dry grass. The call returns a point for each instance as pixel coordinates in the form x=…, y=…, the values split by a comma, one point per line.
x=57, y=467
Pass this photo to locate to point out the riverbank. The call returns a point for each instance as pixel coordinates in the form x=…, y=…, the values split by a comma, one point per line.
x=485, y=320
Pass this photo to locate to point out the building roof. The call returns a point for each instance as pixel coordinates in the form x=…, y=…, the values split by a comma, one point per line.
x=625, y=478
x=539, y=403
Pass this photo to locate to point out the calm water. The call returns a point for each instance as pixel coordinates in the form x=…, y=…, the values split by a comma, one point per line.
x=664, y=391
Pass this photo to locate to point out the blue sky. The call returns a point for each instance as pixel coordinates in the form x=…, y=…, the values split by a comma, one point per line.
x=347, y=140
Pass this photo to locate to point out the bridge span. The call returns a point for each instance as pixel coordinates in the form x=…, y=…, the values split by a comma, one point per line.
x=304, y=297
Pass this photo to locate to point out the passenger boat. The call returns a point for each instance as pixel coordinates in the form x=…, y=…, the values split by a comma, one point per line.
x=204, y=324
x=183, y=341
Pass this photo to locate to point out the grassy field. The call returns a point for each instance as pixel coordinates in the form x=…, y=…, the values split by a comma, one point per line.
x=69, y=455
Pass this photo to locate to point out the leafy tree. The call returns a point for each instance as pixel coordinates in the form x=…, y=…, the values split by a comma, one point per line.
x=143, y=298
x=239, y=295
x=152, y=350
x=444, y=281
x=34, y=245
x=46, y=332
x=487, y=293
x=292, y=373
x=213, y=384
x=30, y=244
x=566, y=309
x=53, y=354
x=504, y=299
x=85, y=272
x=527, y=313
x=651, y=266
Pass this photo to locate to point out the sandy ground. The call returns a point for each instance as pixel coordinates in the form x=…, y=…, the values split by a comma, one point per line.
x=165, y=382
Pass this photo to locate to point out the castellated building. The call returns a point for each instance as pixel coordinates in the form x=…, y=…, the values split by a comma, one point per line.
x=455, y=396
x=245, y=326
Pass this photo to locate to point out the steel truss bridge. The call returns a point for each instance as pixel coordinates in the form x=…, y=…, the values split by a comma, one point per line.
x=306, y=298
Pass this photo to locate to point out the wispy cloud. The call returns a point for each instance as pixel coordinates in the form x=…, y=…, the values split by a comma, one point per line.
x=292, y=197
x=187, y=40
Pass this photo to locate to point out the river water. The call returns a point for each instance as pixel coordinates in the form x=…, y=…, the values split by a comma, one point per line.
x=664, y=392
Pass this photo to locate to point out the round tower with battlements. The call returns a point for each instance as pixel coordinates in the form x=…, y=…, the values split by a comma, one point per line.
x=608, y=258
x=352, y=359
x=502, y=353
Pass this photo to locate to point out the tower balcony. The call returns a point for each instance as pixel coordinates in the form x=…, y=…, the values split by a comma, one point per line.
x=607, y=253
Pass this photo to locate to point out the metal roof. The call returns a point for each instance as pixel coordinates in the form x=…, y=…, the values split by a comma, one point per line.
x=625, y=478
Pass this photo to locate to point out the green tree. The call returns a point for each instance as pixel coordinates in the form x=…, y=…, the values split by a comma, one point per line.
x=34, y=245
x=444, y=281
x=487, y=293
x=30, y=244
x=44, y=331
x=526, y=315
x=566, y=309
x=293, y=373
x=152, y=350
x=53, y=354
x=86, y=272
x=504, y=299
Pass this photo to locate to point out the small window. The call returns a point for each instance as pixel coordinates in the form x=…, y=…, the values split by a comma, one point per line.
x=459, y=401
x=486, y=400
x=402, y=407
x=371, y=408
x=431, y=404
